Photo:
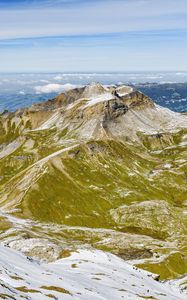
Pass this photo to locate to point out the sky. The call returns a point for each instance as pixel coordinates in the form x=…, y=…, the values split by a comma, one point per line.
x=93, y=35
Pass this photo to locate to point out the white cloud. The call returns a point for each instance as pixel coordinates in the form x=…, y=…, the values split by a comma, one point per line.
x=44, y=80
x=59, y=77
x=54, y=88
x=94, y=18
x=21, y=92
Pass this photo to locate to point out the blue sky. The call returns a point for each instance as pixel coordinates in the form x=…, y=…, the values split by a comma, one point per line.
x=93, y=35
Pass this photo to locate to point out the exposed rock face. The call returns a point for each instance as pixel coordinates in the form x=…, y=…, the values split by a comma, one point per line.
x=36, y=248
x=119, y=110
x=155, y=218
x=95, y=162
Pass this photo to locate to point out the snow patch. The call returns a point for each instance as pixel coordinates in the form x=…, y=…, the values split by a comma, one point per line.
x=124, y=90
x=42, y=161
x=10, y=148
x=100, y=98
x=86, y=274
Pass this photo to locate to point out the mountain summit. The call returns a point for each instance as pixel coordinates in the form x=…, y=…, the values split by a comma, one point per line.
x=94, y=89
x=100, y=166
x=94, y=110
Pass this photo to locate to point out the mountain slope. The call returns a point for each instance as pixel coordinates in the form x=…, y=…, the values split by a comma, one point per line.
x=83, y=275
x=107, y=159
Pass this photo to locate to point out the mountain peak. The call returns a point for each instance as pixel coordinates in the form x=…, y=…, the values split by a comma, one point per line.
x=118, y=112
x=94, y=89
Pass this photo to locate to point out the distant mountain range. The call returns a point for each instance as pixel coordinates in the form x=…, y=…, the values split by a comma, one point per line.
x=96, y=168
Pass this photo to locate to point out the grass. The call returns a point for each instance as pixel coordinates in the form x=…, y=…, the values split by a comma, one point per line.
x=82, y=186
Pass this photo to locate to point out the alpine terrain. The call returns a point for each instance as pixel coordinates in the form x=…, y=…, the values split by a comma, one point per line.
x=93, y=192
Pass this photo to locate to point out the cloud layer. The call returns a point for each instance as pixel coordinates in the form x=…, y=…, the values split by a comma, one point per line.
x=54, y=88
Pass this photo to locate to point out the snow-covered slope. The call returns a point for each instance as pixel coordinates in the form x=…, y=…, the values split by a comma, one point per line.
x=86, y=274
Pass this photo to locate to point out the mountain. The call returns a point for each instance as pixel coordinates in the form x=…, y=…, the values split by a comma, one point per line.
x=100, y=167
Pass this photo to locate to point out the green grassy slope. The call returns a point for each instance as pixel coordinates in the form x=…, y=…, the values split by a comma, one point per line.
x=131, y=195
